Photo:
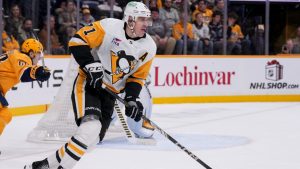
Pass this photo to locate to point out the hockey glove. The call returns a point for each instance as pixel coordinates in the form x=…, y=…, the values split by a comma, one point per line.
x=42, y=73
x=94, y=72
x=135, y=108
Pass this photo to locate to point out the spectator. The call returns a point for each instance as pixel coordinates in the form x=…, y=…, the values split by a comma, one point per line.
x=210, y=4
x=287, y=47
x=201, y=32
x=292, y=46
x=25, y=31
x=202, y=7
x=68, y=17
x=178, y=34
x=94, y=7
x=258, y=39
x=105, y=9
x=193, y=5
x=62, y=7
x=295, y=42
x=70, y=32
x=216, y=32
x=15, y=20
x=87, y=18
x=219, y=6
x=169, y=16
x=178, y=5
x=165, y=44
x=8, y=40
x=236, y=41
x=56, y=47
x=155, y=4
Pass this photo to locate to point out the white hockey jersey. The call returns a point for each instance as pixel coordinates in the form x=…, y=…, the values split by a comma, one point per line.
x=124, y=60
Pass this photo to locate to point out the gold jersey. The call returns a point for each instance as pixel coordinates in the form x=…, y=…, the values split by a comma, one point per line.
x=12, y=66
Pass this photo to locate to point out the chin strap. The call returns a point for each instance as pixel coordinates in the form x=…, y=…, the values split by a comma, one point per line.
x=132, y=29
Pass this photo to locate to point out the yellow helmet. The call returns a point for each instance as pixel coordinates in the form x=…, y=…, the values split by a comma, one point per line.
x=31, y=45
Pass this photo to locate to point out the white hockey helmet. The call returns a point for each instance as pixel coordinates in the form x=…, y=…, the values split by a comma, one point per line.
x=135, y=10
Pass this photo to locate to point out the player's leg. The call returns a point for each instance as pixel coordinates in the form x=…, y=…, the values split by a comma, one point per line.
x=107, y=108
x=143, y=129
x=5, y=114
x=5, y=117
x=87, y=109
x=69, y=154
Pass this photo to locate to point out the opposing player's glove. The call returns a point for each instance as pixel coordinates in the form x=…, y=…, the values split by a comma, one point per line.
x=94, y=72
x=41, y=73
x=135, y=108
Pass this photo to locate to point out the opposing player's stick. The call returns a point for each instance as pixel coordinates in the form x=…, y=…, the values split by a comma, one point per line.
x=160, y=130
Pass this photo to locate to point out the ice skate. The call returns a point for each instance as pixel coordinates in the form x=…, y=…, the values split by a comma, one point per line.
x=43, y=164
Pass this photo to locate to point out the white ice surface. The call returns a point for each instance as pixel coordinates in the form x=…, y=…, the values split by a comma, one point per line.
x=225, y=136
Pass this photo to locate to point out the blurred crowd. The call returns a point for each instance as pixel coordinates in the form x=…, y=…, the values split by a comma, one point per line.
x=202, y=25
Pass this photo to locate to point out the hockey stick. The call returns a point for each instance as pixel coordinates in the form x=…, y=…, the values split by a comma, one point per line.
x=128, y=133
x=161, y=131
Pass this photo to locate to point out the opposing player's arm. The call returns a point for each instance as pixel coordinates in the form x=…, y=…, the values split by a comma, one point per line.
x=24, y=70
x=84, y=40
x=36, y=72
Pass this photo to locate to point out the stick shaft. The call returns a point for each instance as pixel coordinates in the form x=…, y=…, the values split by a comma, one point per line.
x=161, y=131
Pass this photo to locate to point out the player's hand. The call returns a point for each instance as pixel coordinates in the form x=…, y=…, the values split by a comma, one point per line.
x=42, y=73
x=94, y=72
x=135, y=108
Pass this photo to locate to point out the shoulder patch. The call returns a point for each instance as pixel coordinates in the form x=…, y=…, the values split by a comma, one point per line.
x=22, y=63
x=143, y=57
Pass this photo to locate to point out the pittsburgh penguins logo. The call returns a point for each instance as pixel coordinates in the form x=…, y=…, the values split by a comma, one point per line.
x=122, y=64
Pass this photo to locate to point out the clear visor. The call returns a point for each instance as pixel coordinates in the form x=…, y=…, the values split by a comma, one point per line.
x=146, y=20
x=37, y=56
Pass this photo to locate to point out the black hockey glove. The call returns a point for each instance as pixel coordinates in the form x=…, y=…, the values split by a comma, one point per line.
x=42, y=73
x=135, y=108
x=94, y=72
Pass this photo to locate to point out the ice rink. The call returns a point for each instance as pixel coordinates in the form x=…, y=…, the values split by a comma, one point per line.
x=223, y=135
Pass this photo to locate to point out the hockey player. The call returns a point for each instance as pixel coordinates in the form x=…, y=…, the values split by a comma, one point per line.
x=117, y=53
x=18, y=67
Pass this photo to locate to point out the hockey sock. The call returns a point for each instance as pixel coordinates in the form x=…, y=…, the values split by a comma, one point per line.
x=53, y=161
x=69, y=154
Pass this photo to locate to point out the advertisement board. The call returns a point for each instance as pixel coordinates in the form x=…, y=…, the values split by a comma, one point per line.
x=225, y=76
x=180, y=77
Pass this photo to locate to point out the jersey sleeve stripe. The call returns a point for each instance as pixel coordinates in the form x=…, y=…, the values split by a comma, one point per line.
x=79, y=37
x=76, y=42
x=143, y=71
x=139, y=81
